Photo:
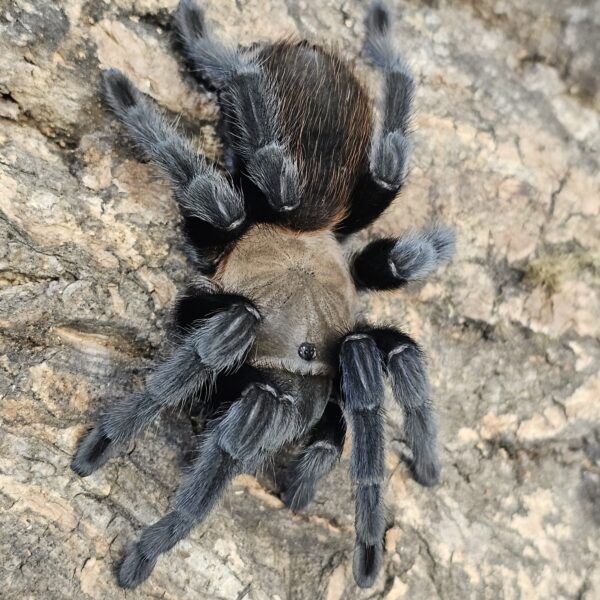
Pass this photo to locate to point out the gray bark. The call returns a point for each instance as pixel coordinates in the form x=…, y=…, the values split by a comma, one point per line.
x=91, y=258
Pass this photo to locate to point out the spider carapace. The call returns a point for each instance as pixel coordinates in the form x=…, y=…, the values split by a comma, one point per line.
x=270, y=344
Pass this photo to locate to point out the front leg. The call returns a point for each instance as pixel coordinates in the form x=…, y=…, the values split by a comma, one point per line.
x=255, y=427
x=316, y=460
x=212, y=345
x=404, y=362
x=390, y=263
x=362, y=375
x=365, y=356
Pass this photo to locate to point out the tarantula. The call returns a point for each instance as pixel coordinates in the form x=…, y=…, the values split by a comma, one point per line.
x=271, y=345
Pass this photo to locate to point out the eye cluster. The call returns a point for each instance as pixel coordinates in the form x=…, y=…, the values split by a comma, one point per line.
x=307, y=351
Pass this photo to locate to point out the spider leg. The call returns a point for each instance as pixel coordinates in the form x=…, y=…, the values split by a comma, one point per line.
x=364, y=357
x=250, y=107
x=362, y=375
x=405, y=364
x=391, y=263
x=213, y=210
x=216, y=344
x=253, y=428
x=390, y=145
x=317, y=459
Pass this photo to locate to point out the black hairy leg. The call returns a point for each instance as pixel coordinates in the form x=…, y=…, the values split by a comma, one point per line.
x=390, y=145
x=362, y=381
x=252, y=429
x=365, y=356
x=249, y=106
x=405, y=364
x=317, y=458
x=215, y=344
x=213, y=209
x=390, y=263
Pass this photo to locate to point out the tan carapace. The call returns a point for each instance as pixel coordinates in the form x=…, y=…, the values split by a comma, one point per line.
x=315, y=305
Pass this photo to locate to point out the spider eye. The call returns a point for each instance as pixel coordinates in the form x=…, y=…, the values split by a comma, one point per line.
x=307, y=351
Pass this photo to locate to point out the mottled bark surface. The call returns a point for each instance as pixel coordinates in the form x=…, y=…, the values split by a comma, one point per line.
x=90, y=260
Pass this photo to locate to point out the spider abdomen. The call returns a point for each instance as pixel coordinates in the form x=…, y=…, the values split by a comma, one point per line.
x=303, y=289
x=324, y=116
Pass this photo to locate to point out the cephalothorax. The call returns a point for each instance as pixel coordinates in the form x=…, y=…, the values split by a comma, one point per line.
x=271, y=346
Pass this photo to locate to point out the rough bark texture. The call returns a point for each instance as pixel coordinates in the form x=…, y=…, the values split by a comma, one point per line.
x=90, y=260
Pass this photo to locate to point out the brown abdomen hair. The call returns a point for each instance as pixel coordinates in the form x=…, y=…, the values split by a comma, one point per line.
x=326, y=118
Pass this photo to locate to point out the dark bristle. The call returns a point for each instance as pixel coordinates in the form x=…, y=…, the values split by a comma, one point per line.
x=189, y=20
x=378, y=19
x=119, y=92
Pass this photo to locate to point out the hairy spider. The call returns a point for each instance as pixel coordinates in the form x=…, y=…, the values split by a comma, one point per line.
x=271, y=345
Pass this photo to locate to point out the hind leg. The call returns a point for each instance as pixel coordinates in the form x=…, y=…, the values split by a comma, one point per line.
x=249, y=108
x=390, y=144
x=213, y=210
